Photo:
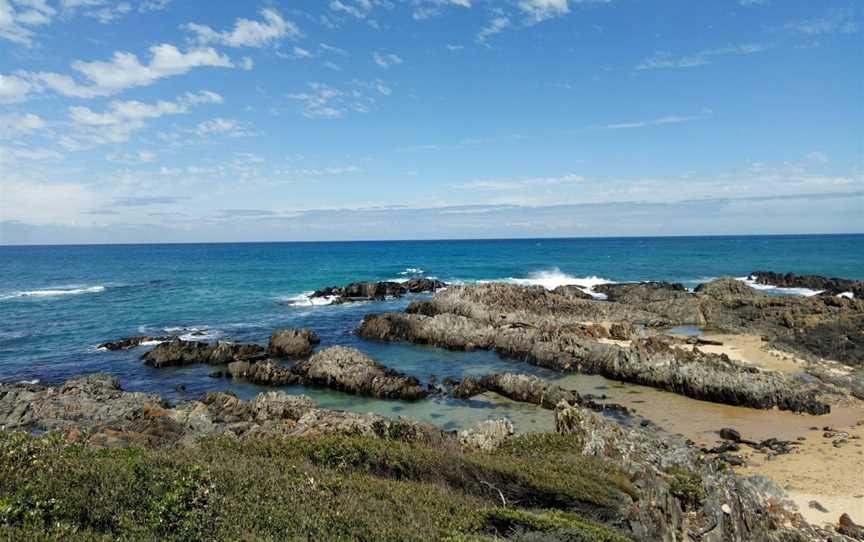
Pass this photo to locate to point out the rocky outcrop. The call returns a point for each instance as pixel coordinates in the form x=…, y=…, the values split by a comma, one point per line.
x=376, y=291
x=128, y=343
x=650, y=362
x=95, y=409
x=517, y=387
x=347, y=369
x=681, y=494
x=179, y=352
x=292, y=343
x=828, y=286
x=486, y=436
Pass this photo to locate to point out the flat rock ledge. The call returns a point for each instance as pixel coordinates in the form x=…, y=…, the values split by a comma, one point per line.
x=650, y=361
x=96, y=410
x=178, y=352
x=292, y=343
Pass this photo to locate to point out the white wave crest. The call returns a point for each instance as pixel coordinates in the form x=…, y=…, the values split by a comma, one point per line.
x=553, y=278
x=55, y=292
x=847, y=295
x=193, y=333
x=306, y=300
x=777, y=290
x=412, y=271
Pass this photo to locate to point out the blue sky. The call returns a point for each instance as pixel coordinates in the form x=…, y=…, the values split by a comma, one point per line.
x=187, y=120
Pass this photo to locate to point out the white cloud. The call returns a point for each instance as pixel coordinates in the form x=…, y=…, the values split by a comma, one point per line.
x=18, y=17
x=132, y=159
x=522, y=184
x=222, y=127
x=125, y=70
x=669, y=119
x=819, y=157
x=496, y=25
x=14, y=89
x=385, y=60
x=124, y=117
x=835, y=23
x=664, y=59
x=38, y=202
x=541, y=10
x=327, y=102
x=427, y=9
x=247, y=33
x=16, y=125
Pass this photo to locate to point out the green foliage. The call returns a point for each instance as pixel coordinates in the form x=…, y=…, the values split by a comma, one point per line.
x=687, y=486
x=322, y=488
x=547, y=526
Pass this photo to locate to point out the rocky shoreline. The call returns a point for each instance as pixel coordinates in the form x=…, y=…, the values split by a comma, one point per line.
x=678, y=490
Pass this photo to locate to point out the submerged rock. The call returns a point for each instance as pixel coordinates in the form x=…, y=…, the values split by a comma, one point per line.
x=350, y=370
x=179, y=352
x=292, y=343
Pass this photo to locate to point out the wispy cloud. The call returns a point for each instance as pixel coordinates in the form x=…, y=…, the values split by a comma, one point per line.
x=386, y=60
x=248, y=33
x=496, y=25
x=659, y=121
x=665, y=59
x=522, y=184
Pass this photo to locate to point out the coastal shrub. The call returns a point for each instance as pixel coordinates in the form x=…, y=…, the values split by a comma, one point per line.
x=687, y=486
x=546, y=527
x=321, y=488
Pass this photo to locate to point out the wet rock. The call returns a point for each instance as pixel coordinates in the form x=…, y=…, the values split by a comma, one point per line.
x=180, y=387
x=734, y=460
x=374, y=291
x=350, y=370
x=831, y=286
x=572, y=292
x=238, y=369
x=216, y=374
x=269, y=373
x=517, y=387
x=486, y=436
x=179, y=352
x=849, y=528
x=128, y=343
x=730, y=434
x=292, y=343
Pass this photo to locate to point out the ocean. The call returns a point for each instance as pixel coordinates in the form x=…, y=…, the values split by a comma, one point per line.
x=57, y=303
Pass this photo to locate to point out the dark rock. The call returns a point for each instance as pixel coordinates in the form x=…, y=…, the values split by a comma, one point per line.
x=292, y=343
x=734, y=460
x=179, y=352
x=180, y=387
x=572, y=292
x=373, y=291
x=350, y=370
x=216, y=374
x=831, y=286
x=849, y=528
x=127, y=343
x=816, y=505
x=268, y=373
x=730, y=434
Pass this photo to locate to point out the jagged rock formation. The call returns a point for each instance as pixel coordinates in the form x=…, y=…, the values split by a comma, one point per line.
x=96, y=409
x=292, y=343
x=828, y=286
x=127, y=343
x=179, y=352
x=350, y=370
x=545, y=329
x=518, y=387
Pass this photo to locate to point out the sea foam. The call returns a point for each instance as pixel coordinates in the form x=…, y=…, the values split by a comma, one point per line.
x=306, y=300
x=553, y=278
x=55, y=292
x=777, y=290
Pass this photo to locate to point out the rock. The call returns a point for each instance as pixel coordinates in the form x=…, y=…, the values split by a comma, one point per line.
x=849, y=528
x=727, y=288
x=179, y=352
x=373, y=291
x=268, y=373
x=292, y=343
x=816, y=505
x=350, y=370
x=730, y=434
x=180, y=387
x=216, y=374
x=238, y=369
x=674, y=477
x=831, y=286
x=572, y=292
x=650, y=361
x=96, y=410
x=517, y=387
x=622, y=331
x=127, y=343
x=486, y=436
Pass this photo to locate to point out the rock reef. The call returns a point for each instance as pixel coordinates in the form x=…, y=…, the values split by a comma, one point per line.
x=376, y=291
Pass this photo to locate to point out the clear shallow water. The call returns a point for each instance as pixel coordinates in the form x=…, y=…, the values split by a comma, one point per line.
x=58, y=303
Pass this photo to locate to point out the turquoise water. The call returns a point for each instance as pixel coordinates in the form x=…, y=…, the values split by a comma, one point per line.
x=57, y=303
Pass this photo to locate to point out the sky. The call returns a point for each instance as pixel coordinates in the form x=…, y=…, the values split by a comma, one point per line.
x=199, y=121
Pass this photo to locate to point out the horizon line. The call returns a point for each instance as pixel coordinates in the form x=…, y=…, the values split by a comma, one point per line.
x=435, y=240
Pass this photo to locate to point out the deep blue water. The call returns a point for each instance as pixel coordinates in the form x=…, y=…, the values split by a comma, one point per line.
x=58, y=302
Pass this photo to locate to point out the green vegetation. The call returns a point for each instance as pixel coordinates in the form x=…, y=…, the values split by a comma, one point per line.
x=323, y=488
x=687, y=486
